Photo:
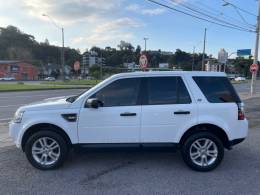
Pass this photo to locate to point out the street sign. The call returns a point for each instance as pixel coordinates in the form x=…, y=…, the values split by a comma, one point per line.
x=143, y=61
x=76, y=65
x=243, y=52
x=254, y=68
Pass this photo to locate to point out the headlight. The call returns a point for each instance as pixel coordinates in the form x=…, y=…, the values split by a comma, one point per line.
x=18, y=116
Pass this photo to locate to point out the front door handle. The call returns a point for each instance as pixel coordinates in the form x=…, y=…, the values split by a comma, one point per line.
x=128, y=114
x=182, y=112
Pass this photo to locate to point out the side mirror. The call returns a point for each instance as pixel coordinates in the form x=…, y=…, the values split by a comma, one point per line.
x=93, y=103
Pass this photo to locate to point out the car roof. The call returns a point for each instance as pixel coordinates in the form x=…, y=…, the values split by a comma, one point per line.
x=169, y=73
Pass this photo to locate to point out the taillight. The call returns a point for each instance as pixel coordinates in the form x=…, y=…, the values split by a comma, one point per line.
x=241, y=112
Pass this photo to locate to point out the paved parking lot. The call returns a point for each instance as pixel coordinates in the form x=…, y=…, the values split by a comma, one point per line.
x=132, y=172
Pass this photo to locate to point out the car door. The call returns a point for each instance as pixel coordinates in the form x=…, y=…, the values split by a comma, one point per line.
x=167, y=109
x=118, y=120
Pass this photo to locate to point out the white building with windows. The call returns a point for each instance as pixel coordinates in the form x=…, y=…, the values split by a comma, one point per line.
x=89, y=59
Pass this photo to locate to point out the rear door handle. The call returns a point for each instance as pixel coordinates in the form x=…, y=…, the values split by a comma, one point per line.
x=182, y=112
x=128, y=114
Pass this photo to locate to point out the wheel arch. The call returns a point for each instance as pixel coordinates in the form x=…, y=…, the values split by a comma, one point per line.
x=41, y=126
x=216, y=130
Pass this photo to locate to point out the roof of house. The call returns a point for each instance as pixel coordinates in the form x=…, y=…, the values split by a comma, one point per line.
x=3, y=62
x=9, y=61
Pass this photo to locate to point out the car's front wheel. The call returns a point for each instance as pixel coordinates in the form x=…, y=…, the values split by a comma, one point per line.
x=202, y=151
x=46, y=150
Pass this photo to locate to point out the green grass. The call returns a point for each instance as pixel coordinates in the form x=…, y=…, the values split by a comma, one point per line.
x=25, y=87
x=73, y=82
x=239, y=82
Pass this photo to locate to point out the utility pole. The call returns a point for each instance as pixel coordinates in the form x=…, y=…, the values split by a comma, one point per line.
x=145, y=39
x=252, y=88
x=204, y=48
x=62, y=55
x=193, y=58
x=62, y=48
x=101, y=66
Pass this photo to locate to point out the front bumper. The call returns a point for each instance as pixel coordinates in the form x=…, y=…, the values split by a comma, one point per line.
x=14, y=130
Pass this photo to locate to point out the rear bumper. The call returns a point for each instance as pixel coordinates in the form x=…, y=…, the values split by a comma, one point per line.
x=235, y=142
x=238, y=131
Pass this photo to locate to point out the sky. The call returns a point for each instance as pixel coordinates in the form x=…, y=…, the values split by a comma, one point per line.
x=104, y=23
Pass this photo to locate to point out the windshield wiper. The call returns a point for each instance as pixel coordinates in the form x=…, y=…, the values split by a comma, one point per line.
x=72, y=99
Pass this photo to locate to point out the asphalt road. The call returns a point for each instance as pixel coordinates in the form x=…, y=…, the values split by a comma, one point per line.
x=245, y=87
x=10, y=101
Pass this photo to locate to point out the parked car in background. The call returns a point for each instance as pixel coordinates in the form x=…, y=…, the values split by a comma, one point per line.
x=240, y=79
x=7, y=79
x=49, y=79
x=231, y=77
x=199, y=113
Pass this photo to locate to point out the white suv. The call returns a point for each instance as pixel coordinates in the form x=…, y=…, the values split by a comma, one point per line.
x=198, y=112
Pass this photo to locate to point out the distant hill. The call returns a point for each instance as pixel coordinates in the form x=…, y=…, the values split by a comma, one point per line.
x=17, y=45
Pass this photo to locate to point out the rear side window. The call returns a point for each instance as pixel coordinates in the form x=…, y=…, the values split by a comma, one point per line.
x=217, y=89
x=167, y=90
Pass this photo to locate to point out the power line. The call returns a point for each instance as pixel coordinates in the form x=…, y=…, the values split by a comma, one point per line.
x=242, y=17
x=207, y=15
x=200, y=18
x=216, y=12
x=237, y=9
x=245, y=11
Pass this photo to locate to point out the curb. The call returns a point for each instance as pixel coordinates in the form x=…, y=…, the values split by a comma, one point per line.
x=247, y=96
x=44, y=89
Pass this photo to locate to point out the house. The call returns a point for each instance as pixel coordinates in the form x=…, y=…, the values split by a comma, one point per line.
x=54, y=70
x=20, y=70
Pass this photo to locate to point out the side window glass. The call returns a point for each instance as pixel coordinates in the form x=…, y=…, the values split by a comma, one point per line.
x=217, y=89
x=167, y=90
x=122, y=92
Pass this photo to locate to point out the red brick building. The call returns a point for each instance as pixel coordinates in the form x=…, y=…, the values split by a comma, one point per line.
x=20, y=70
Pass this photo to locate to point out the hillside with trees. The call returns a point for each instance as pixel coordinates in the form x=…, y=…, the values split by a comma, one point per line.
x=17, y=45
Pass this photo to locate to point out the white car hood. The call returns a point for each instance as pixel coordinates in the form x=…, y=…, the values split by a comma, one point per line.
x=47, y=104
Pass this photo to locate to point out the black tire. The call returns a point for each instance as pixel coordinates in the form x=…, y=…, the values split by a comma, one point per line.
x=186, y=147
x=63, y=149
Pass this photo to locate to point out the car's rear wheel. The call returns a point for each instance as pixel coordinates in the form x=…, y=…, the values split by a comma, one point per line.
x=46, y=150
x=202, y=151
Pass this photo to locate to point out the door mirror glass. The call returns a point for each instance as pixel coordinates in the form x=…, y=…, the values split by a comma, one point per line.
x=93, y=103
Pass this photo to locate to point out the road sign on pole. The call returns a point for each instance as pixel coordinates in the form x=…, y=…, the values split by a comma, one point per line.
x=143, y=61
x=252, y=87
x=254, y=68
x=76, y=66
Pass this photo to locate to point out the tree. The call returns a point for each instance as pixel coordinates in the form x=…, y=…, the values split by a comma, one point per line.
x=242, y=65
x=94, y=71
x=16, y=45
x=125, y=46
x=138, y=50
x=96, y=49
